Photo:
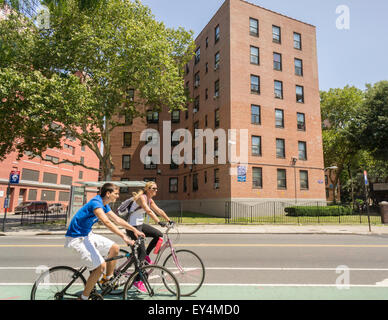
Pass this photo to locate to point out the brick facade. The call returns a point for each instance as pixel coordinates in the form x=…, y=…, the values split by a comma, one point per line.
x=229, y=34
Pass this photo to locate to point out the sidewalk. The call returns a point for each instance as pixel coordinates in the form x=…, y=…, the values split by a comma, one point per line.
x=220, y=229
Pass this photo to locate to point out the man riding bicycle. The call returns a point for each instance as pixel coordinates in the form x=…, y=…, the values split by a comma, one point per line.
x=92, y=247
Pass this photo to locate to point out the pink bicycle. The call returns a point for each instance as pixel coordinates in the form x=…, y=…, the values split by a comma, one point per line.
x=186, y=265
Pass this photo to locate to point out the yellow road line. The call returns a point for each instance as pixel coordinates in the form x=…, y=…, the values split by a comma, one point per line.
x=269, y=245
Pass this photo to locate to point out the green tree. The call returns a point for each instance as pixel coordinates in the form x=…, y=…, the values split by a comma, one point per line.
x=339, y=108
x=97, y=56
x=371, y=124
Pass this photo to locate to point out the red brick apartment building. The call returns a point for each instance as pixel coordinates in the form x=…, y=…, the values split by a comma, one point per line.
x=45, y=180
x=253, y=69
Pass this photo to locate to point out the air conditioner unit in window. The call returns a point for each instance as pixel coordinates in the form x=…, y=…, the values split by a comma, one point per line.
x=195, y=110
x=216, y=95
x=216, y=153
x=216, y=185
x=216, y=67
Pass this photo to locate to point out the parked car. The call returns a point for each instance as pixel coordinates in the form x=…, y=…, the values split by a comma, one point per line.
x=31, y=207
x=56, y=208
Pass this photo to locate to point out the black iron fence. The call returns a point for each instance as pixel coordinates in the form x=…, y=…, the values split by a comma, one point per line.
x=42, y=216
x=307, y=213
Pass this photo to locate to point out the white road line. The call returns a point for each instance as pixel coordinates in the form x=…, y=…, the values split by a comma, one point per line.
x=241, y=269
x=256, y=285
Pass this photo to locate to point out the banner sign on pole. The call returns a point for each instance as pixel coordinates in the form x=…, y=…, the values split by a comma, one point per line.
x=366, y=178
x=14, y=177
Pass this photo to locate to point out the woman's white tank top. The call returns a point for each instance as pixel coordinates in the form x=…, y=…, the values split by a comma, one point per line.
x=136, y=218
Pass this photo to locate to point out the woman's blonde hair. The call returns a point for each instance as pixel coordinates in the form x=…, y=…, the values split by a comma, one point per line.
x=136, y=195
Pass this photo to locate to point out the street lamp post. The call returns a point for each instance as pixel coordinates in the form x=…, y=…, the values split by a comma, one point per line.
x=293, y=162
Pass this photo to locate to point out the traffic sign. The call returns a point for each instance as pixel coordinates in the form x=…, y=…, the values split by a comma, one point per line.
x=14, y=177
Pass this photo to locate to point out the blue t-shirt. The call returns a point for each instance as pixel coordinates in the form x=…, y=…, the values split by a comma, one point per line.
x=82, y=222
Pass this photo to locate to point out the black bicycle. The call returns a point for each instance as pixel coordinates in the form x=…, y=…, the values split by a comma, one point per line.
x=67, y=283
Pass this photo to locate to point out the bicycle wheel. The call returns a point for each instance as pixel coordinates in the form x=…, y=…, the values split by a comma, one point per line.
x=189, y=270
x=54, y=284
x=160, y=283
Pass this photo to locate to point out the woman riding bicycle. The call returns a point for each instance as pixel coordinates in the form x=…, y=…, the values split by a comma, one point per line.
x=141, y=203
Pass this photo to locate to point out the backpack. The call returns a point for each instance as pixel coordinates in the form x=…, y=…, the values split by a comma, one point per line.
x=124, y=210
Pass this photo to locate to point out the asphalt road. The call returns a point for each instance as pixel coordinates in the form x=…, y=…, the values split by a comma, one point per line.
x=265, y=266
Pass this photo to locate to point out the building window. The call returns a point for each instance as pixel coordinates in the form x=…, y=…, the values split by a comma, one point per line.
x=82, y=160
x=255, y=114
x=304, y=179
x=127, y=141
x=297, y=41
x=124, y=189
x=279, y=118
x=185, y=184
x=128, y=119
x=64, y=196
x=256, y=146
x=206, y=67
x=126, y=161
x=255, y=84
x=196, y=104
x=32, y=194
x=301, y=121
x=216, y=178
x=277, y=61
x=298, y=67
x=175, y=116
x=216, y=60
x=174, y=162
x=67, y=180
x=50, y=177
x=131, y=94
x=30, y=175
x=206, y=93
x=48, y=195
x=257, y=178
x=280, y=148
x=207, y=42
x=302, y=151
x=255, y=55
x=278, y=89
x=299, y=94
x=148, y=164
x=51, y=158
x=217, y=89
x=216, y=34
x=276, y=34
x=195, y=182
x=205, y=177
x=152, y=116
x=197, y=55
x=217, y=118
x=253, y=27
x=282, y=178
x=215, y=147
x=173, y=185
x=69, y=147
x=196, y=80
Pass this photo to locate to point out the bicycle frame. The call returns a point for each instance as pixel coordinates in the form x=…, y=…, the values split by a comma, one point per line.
x=168, y=244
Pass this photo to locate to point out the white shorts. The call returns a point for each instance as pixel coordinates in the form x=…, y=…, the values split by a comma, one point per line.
x=92, y=249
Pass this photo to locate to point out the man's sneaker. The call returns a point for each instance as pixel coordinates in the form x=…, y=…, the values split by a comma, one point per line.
x=139, y=285
x=147, y=258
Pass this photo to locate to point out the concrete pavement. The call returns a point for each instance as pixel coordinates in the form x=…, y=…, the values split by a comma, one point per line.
x=220, y=228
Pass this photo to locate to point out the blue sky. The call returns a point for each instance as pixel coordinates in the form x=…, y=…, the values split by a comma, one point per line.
x=345, y=57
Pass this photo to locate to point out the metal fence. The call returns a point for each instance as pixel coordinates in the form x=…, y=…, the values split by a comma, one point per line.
x=43, y=216
x=274, y=213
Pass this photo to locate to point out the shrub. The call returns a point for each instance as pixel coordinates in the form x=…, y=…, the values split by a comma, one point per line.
x=307, y=211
